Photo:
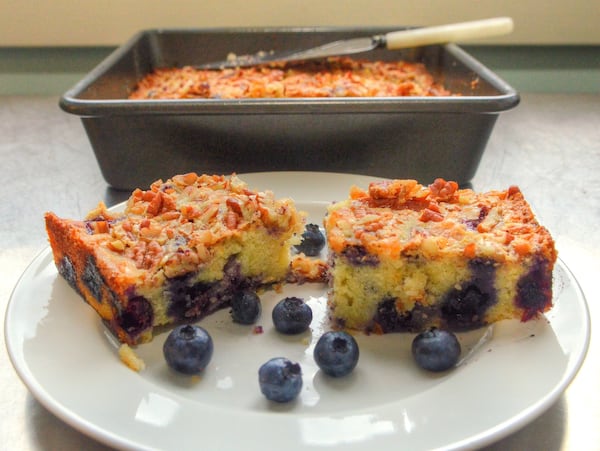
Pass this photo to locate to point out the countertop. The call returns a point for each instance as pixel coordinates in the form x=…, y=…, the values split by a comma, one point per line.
x=549, y=145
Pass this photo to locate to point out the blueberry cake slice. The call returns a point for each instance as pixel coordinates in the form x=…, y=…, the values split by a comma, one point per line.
x=404, y=257
x=178, y=252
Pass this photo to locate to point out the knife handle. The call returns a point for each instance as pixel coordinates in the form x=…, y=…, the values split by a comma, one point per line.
x=448, y=33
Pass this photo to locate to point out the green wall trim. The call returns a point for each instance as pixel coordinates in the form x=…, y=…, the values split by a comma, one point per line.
x=569, y=69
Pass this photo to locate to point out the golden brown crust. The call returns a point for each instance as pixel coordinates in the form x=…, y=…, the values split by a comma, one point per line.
x=337, y=77
x=72, y=245
x=396, y=217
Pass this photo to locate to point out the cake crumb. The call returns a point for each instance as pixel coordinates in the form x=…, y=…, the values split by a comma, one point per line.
x=304, y=269
x=130, y=358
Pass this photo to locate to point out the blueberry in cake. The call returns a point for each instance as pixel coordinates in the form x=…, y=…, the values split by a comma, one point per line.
x=179, y=251
x=405, y=257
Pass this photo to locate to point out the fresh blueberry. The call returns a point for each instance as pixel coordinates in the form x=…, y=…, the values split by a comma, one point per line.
x=280, y=379
x=188, y=349
x=245, y=307
x=436, y=349
x=336, y=353
x=292, y=316
x=313, y=241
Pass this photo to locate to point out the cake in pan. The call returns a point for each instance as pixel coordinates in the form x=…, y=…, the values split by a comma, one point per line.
x=178, y=252
x=333, y=77
x=404, y=257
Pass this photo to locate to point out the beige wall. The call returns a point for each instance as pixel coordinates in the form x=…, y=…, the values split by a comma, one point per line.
x=111, y=22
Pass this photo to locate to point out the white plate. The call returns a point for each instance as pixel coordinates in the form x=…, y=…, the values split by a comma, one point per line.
x=514, y=371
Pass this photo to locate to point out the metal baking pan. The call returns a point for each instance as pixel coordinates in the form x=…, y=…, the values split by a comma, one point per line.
x=137, y=142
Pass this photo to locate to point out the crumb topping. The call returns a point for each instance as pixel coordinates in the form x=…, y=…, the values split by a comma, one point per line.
x=306, y=269
x=397, y=217
x=172, y=225
x=334, y=77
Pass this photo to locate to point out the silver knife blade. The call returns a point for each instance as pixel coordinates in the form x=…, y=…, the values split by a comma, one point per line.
x=336, y=48
x=391, y=40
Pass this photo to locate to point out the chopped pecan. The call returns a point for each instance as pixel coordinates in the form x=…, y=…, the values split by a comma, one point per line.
x=97, y=226
x=117, y=245
x=186, y=179
x=443, y=190
x=155, y=205
x=160, y=203
x=234, y=205
x=147, y=196
x=428, y=214
x=181, y=262
x=170, y=215
x=231, y=220
x=152, y=255
x=513, y=190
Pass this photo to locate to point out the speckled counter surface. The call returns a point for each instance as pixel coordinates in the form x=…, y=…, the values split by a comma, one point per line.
x=549, y=146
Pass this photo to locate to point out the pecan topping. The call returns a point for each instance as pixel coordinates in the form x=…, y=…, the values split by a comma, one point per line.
x=444, y=191
x=400, y=217
x=172, y=226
